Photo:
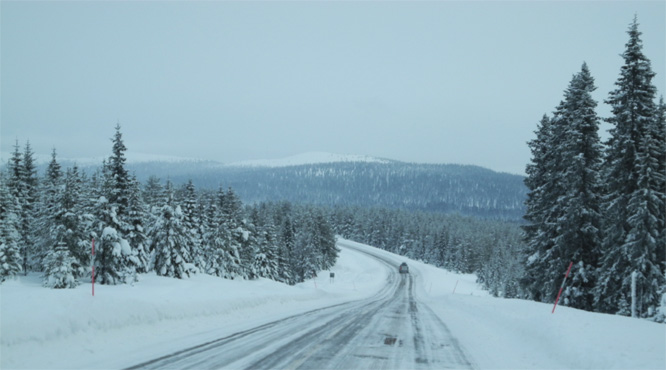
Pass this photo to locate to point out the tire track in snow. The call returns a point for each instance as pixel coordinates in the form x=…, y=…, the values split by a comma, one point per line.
x=390, y=330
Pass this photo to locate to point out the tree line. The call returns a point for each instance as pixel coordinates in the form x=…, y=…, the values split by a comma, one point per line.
x=48, y=225
x=600, y=205
x=488, y=248
x=444, y=188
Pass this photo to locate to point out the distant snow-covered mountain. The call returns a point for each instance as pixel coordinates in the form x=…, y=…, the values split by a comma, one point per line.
x=309, y=158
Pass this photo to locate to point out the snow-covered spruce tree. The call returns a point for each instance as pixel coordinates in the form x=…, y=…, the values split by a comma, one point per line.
x=633, y=199
x=137, y=216
x=579, y=226
x=546, y=260
x=314, y=246
x=305, y=249
x=265, y=259
x=119, y=260
x=191, y=223
x=325, y=241
x=51, y=188
x=10, y=256
x=17, y=187
x=169, y=240
x=659, y=134
x=286, y=251
x=29, y=209
x=119, y=195
x=232, y=236
x=115, y=261
x=564, y=199
x=60, y=268
x=72, y=226
x=208, y=230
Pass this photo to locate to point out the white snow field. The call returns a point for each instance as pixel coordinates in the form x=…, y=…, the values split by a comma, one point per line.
x=122, y=326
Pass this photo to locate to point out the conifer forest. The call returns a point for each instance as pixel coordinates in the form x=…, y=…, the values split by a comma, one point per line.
x=599, y=205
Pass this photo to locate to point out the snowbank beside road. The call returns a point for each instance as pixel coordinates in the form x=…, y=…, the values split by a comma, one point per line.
x=124, y=325
x=68, y=328
x=518, y=334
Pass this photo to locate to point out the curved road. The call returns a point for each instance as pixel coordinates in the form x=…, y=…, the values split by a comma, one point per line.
x=391, y=330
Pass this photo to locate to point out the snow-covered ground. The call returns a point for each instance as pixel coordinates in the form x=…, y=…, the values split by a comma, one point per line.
x=124, y=325
x=518, y=334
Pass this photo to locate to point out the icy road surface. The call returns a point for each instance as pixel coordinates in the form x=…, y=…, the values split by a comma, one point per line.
x=391, y=330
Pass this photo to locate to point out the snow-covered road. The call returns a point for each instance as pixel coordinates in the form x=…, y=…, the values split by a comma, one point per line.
x=390, y=330
x=369, y=316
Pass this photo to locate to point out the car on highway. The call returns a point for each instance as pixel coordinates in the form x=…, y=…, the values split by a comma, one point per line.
x=403, y=269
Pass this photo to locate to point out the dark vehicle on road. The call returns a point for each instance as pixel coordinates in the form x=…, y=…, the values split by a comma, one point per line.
x=403, y=269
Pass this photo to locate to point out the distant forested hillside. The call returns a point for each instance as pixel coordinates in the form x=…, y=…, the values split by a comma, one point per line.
x=468, y=190
x=442, y=188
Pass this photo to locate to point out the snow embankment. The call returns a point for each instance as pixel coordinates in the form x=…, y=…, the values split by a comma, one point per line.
x=501, y=333
x=69, y=328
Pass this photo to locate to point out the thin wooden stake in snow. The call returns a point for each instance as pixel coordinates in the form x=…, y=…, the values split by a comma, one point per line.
x=92, y=262
x=454, y=288
x=633, y=293
x=562, y=287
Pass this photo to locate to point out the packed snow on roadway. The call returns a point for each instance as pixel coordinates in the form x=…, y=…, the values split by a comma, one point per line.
x=127, y=324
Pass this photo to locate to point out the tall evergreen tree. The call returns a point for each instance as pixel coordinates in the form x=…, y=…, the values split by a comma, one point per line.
x=72, y=226
x=539, y=233
x=325, y=242
x=10, y=256
x=563, y=206
x=137, y=216
x=579, y=225
x=29, y=208
x=659, y=135
x=17, y=187
x=191, y=224
x=286, y=251
x=117, y=261
x=634, y=204
x=265, y=259
x=233, y=235
x=49, y=204
x=120, y=178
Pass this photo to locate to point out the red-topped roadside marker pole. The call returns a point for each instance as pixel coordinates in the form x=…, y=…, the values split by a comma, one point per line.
x=562, y=286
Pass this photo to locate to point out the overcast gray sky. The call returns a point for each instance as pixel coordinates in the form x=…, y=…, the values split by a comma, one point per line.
x=437, y=81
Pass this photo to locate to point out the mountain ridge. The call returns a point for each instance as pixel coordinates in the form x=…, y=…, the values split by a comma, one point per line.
x=330, y=180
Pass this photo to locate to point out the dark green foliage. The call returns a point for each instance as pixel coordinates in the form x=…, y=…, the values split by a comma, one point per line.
x=137, y=217
x=634, y=193
x=602, y=208
x=170, y=241
x=564, y=200
x=468, y=190
x=488, y=248
x=10, y=257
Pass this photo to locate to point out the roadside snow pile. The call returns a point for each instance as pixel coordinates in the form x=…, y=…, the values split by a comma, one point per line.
x=69, y=328
x=518, y=334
